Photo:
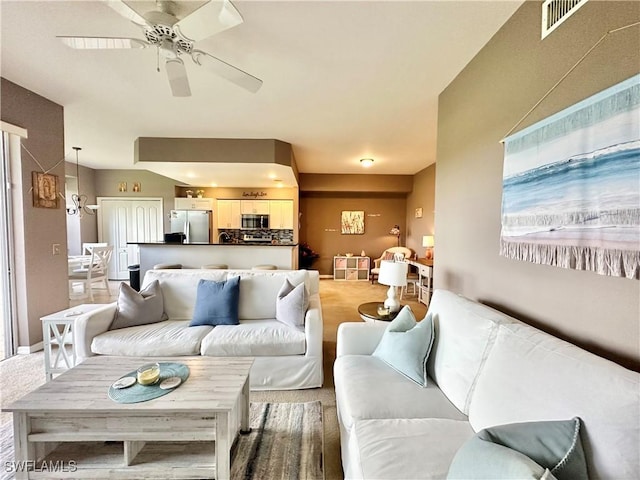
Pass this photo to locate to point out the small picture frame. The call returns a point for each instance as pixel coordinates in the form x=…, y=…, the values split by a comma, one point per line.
x=418, y=212
x=45, y=190
x=122, y=186
x=137, y=188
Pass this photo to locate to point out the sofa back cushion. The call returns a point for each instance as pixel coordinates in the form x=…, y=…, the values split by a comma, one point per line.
x=532, y=376
x=464, y=333
x=258, y=289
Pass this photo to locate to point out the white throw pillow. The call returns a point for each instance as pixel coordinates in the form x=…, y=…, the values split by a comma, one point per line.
x=292, y=304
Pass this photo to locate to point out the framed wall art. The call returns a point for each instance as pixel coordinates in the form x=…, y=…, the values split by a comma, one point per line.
x=352, y=222
x=45, y=190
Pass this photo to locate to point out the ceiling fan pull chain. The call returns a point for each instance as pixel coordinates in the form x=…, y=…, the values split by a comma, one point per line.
x=158, y=59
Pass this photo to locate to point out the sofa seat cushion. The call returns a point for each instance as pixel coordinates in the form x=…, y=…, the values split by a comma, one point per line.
x=254, y=338
x=403, y=449
x=367, y=388
x=168, y=338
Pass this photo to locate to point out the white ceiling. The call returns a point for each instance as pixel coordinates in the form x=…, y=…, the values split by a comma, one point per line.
x=342, y=80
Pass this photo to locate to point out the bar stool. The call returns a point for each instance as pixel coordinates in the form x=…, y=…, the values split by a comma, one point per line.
x=165, y=266
x=264, y=267
x=215, y=266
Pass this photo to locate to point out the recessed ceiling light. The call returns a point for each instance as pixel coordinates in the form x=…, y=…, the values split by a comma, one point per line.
x=279, y=183
x=214, y=184
x=366, y=162
x=272, y=176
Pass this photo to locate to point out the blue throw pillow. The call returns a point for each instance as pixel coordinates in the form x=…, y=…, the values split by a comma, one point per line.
x=550, y=450
x=217, y=303
x=406, y=344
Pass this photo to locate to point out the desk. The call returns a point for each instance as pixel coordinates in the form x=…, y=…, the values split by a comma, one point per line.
x=56, y=330
x=425, y=278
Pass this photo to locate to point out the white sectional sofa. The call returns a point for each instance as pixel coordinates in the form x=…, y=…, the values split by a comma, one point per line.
x=286, y=357
x=485, y=369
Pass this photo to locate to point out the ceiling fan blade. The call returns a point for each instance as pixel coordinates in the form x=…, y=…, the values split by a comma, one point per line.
x=177, y=74
x=102, y=42
x=127, y=12
x=211, y=18
x=229, y=72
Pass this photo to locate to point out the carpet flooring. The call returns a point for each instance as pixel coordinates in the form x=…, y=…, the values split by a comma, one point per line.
x=21, y=374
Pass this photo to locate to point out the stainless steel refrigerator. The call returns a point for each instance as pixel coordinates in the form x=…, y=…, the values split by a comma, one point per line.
x=194, y=224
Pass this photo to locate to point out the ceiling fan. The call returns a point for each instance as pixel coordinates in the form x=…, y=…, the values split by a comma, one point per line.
x=175, y=37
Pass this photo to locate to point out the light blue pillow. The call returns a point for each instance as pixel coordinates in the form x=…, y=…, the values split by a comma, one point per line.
x=550, y=450
x=405, y=345
x=217, y=303
x=292, y=304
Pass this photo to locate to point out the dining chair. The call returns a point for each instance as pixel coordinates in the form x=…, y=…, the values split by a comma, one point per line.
x=96, y=271
x=87, y=247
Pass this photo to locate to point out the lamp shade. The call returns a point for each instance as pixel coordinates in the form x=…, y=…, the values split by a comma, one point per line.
x=393, y=274
x=427, y=241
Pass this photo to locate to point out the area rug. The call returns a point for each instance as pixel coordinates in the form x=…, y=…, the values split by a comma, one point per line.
x=285, y=442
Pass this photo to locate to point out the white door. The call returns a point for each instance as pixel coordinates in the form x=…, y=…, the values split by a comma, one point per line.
x=125, y=220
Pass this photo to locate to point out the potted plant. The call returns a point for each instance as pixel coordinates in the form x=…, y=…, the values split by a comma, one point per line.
x=189, y=193
x=199, y=193
x=306, y=256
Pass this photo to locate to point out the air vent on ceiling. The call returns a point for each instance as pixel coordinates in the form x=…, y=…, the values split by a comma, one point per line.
x=554, y=12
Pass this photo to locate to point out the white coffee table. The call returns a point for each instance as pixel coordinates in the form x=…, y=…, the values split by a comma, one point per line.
x=56, y=330
x=185, y=434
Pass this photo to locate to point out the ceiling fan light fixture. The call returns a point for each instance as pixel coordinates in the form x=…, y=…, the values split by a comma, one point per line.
x=366, y=162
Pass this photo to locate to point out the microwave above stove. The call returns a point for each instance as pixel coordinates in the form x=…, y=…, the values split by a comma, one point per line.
x=254, y=221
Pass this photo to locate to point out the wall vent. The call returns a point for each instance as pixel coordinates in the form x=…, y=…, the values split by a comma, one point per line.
x=554, y=12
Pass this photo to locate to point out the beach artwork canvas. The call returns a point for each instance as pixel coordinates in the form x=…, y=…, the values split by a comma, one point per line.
x=571, y=186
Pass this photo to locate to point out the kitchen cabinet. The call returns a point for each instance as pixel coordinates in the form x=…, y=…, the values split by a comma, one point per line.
x=229, y=214
x=281, y=214
x=254, y=206
x=182, y=203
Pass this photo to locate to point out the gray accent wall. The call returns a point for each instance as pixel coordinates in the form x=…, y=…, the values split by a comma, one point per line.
x=509, y=75
x=41, y=277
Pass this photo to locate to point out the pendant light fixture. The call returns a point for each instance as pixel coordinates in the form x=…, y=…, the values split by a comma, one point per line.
x=80, y=206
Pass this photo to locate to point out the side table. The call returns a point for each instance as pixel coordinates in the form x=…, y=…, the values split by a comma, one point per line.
x=57, y=330
x=369, y=313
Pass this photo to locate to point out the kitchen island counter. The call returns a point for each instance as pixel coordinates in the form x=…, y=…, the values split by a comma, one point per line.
x=195, y=255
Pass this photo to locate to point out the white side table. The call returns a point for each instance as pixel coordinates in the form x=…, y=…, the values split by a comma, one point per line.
x=57, y=330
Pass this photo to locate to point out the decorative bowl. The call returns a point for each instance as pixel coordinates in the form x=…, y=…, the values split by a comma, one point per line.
x=348, y=254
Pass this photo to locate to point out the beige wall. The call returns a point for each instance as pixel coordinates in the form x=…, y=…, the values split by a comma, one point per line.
x=320, y=224
x=422, y=196
x=478, y=108
x=41, y=277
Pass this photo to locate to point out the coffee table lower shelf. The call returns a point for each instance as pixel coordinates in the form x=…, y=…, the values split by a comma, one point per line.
x=156, y=460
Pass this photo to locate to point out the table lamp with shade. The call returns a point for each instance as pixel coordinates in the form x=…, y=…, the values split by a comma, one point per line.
x=427, y=241
x=393, y=274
